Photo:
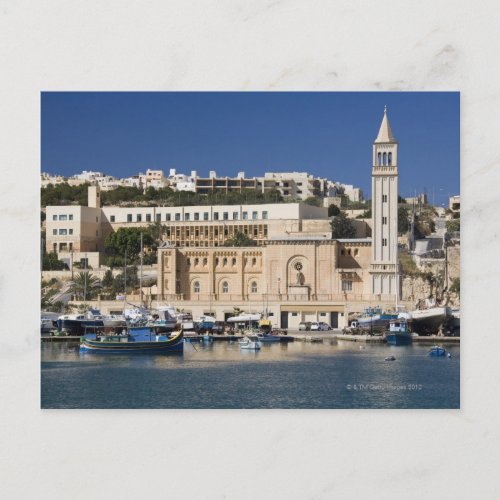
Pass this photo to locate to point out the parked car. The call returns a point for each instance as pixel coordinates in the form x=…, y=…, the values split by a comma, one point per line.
x=314, y=326
x=305, y=325
x=323, y=327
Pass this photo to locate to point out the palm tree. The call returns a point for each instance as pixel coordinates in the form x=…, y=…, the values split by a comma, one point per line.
x=85, y=285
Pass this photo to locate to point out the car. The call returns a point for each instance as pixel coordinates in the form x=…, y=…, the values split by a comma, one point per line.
x=305, y=325
x=323, y=327
x=314, y=326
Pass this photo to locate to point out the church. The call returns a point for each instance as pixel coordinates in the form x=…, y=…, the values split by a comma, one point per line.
x=296, y=277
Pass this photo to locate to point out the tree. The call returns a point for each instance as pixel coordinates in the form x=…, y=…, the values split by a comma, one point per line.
x=314, y=201
x=107, y=280
x=333, y=210
x=367, y=214
x=85, y=285
x=127, y=239
x=50, y=262
x=240, y=240
x=342, y=227
x=453, y=225
x=455, y=286
x=403, y=222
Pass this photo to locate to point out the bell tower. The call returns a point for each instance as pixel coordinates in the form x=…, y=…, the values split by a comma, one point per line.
x=383, y=267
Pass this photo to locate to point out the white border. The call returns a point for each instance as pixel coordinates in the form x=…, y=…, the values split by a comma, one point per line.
x=239, y=45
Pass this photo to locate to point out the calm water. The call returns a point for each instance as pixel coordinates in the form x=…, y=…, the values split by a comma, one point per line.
x=293, y=375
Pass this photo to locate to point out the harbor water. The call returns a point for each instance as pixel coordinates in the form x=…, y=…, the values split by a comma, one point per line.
x=332, y=374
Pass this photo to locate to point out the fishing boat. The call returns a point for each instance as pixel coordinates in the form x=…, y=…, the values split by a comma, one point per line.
x=375, y=317
x=248, y=343
x=429, y=318
x=128, y=341
x=399, y=333
x=437, y=350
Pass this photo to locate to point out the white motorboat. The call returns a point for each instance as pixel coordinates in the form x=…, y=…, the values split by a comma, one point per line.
x=247, y=343
x=429, y=318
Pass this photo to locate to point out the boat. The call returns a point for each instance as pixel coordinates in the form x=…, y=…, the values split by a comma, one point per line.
x=399, y=333
x=77, y=324
x=48, y=321
x=268, y=337
x=390, y=358
x=374, y=317
x=205, y=323
x=429, y=318
x=248, y=343
x=130, y=341
x=437, y=350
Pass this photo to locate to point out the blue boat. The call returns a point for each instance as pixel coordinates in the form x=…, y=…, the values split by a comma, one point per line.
x=437, y=351
x=144, y=341
x=399, y=333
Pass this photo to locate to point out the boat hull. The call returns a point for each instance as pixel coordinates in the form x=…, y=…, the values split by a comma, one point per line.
x=129, y=345
x=437, y=351
x=429, y=321
x=396, y=338
x=77, y=327
x=377, y=321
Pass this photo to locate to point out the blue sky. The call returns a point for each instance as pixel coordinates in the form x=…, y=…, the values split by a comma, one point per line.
x=328, y=134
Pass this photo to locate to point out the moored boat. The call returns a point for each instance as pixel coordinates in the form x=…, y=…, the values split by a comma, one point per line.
x=375, y=317
x=248, y=343
x=437, y=351
x=128, y=342
x=429, y=319
x=399, y=333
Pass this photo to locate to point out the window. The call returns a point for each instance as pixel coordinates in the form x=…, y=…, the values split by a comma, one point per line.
x=294, y=314
x=70, y=231
x=138, y=218
x=205, y=215
x=346, y=285
x=205, y=261
x=254, y=261
x=196, y=216
x=54, y=231
x=63, y=232
x=177, y=216
x=384, y=198
x=158, y=217
x=148, y=217
x=186, y=216
x=54, y=217
x=342, y=252
x=235, y=215
x=349, y=252
x=254, y=215
x=168, y=217
x=196, y=261
x=216, y=215
x=254, y=287
x=225, y=215
x=70, y=217
x=111, y=218
x=355, y=252
x=71, y=246
x=384, y=242
x=196, y=287
x=384, y=159
x=389, y=159
x=380, y=159
x=234, y=261
x=63, y=217
x=255, y=232
x=188, y=261
x=129, y=217
x=264, y=215
x=384, y=220
x=216, y=261
x=245, y=215
x=224, y=261
x=225, y=287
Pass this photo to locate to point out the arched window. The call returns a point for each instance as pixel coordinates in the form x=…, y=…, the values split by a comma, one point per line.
x=385, y=159
x=380, y=159
x=253, y=286
x=224, y=261
x=234, y=261
x=389, y=159
x=225, y=287
x=254, y=261
x=196, y=287
x=205, y=261
x=196, y=261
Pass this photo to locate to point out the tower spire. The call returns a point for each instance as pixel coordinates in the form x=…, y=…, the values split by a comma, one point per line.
x=385, y=131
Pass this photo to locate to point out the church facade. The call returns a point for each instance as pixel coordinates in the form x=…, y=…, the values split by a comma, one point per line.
x=300, y=277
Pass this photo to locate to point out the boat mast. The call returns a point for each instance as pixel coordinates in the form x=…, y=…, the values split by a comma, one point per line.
x=140, y=276
x=85, y=281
